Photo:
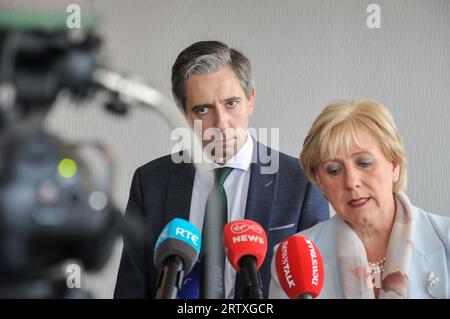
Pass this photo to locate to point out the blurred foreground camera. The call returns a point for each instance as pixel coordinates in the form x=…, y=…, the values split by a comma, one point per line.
x=53, y=207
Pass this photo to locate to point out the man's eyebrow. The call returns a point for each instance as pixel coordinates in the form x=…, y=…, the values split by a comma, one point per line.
x=234, y=98
x=200, y=106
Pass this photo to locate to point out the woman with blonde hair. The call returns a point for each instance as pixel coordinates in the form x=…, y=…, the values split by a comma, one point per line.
x=378, y=245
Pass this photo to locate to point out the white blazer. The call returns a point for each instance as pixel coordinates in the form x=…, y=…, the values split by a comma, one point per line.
x=431, y=254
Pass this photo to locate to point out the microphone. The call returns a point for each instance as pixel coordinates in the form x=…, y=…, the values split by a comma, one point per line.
x=299, y=267
x=176, y=252
x=245, y=244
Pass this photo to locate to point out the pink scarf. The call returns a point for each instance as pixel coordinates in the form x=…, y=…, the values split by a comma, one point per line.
x=354, y=270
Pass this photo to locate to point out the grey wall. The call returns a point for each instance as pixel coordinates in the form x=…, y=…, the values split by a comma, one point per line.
x=304, y=53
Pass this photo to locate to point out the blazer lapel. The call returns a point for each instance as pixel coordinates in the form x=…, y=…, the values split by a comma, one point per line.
x=259, y=197
x=332, y=284
x=179, y=191
x=428, y=275
x=427, y=261
x=260, y=192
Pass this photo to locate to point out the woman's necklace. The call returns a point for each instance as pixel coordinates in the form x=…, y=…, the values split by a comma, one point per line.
x=377, y=267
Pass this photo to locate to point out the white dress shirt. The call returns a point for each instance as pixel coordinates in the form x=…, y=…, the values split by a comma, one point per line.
x=236, y=189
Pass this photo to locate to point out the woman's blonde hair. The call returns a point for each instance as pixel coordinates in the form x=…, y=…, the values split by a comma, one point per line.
x=338, y=126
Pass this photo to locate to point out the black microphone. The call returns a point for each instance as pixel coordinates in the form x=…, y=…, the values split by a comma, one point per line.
x=176, y=252
x=245, y=243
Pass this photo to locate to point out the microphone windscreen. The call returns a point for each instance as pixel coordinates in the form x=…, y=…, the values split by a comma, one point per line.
x=299, y=267
x=179, y=238
x=244, y=237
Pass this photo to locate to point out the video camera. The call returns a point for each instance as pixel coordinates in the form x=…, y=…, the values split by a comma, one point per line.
x=52, y=207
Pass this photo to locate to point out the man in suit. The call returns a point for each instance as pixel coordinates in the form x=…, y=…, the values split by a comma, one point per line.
x=213, y=84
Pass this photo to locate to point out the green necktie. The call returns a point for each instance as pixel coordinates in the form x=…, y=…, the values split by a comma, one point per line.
x=213, y=254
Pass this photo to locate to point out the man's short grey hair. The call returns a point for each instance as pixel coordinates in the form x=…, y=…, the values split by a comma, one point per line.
x=208, y=57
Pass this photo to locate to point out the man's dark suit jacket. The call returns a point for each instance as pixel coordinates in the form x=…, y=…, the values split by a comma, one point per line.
x=283, y=203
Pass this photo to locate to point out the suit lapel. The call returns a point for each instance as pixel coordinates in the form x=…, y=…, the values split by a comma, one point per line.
x=179, y=191
x=423, y=273
x=260, y=192
x=426, y=262
x=259, y=197
x=332, y=282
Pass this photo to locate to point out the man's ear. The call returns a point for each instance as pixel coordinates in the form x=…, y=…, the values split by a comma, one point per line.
x=251, y=101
